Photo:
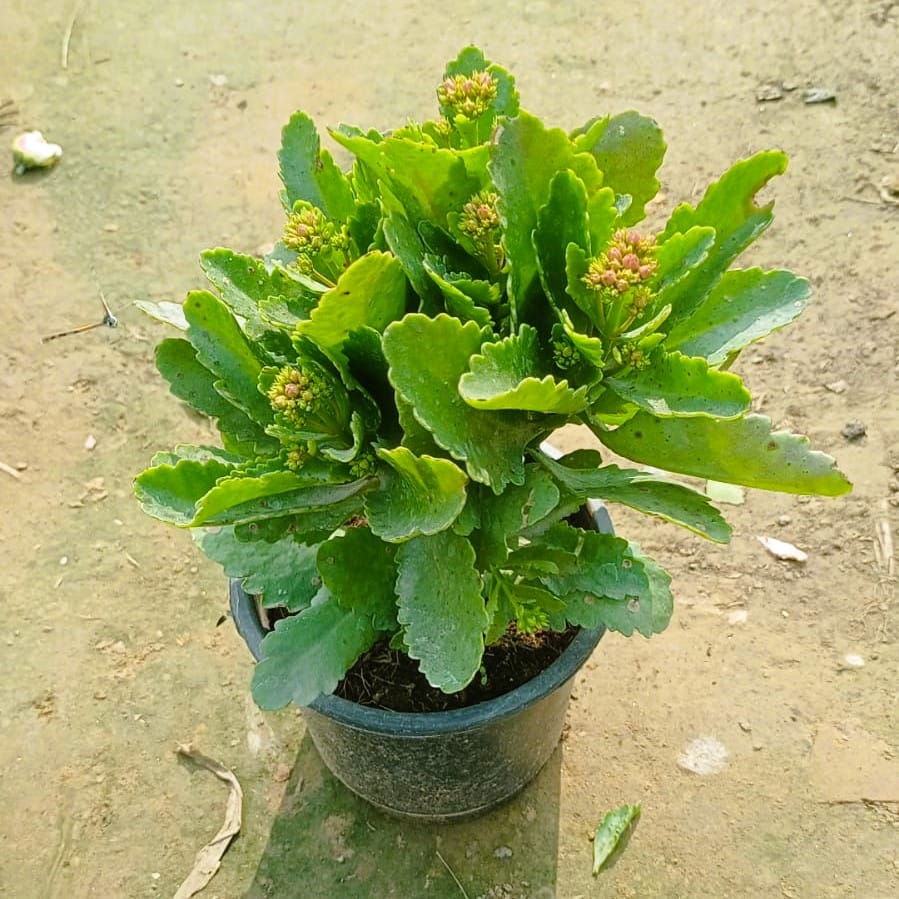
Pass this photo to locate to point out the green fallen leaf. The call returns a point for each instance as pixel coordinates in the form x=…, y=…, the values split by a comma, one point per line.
x=613, y=833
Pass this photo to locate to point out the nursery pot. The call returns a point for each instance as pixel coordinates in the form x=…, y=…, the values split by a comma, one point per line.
x=440, y=766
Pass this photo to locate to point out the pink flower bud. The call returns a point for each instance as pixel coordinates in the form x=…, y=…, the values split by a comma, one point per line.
x=631, y=262
x=608, y=277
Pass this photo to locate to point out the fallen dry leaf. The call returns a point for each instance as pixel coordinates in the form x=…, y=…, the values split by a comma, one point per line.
x=209, y=858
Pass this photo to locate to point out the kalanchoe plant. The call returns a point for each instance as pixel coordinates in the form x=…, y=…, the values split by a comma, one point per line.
x=384, y=379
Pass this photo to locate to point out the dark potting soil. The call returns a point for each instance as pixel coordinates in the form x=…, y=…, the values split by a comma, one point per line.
x=385, y=678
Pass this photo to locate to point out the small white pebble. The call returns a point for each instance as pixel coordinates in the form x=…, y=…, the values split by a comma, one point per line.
x=155, y=875
x=90, y=442
x=503, y=852
x=64, y=560
x=854, y=660
x=737, y=616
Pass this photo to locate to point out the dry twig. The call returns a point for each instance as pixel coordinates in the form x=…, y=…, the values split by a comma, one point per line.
x=10, y=471
x=452, y=874
x=67, y=37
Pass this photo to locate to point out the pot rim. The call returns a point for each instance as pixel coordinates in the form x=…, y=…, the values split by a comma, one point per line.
x=420, y=724
x=423, y=724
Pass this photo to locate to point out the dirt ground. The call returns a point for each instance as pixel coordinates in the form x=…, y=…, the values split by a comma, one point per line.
x=169, y=116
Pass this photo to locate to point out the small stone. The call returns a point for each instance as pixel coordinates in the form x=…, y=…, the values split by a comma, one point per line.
x=90, y=442
x=784, y=520
x=179, y=82
x=766, y=93
x=218, y=80
x=503, y=852
x=854, y=430
x=64, y=560
x=745, y=726
x=837, y=386
x=737, y=616
x=854, y=660
x=819, y=95
x=281, y=774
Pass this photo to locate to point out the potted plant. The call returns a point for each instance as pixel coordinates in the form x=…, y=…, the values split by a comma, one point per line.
x=384, y=382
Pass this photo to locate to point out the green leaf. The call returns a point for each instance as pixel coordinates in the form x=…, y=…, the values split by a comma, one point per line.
x=167, y=313
x=225, y=350
x=170, y=492
x=525, y=159
x=302, y=501
x=428, y=181
x=629, y=148
x=192, y=382
x=283, y=573
x=309, y=173
x=560, y=221
x=504, y=517
x=665, y=499
x=405, y=243
x=307, y=655
x=441, y=608
x=360, y=572
x=677, y=385
x=743, y=307
x=729, y=207
x=678, y=256
x=606, y=567
x=427, y=358
x=285, y=312
x=188, y=379
x=590, y=348
x=233, y=491
x=649, y=612
x=505, y=375
x=458, y=303
x=740, y=451
x=196, y=454
x=613, y=833
x=418, y=495
x=577, y=263
x=370, y=293
x=244, y=282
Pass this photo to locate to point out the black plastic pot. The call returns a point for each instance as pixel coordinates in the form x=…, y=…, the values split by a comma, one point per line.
x=440, y=766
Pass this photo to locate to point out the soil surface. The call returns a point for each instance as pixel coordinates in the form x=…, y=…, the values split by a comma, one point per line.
x=385, y=678
x=760, y=732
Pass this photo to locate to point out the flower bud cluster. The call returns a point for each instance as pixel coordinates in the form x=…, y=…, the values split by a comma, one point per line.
x=364, y=465
x=627, y=263
x=468, y=95
x=311, y=402
x=479, y=218
x=314, y=238
x=564, y=353
x=631, y=354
